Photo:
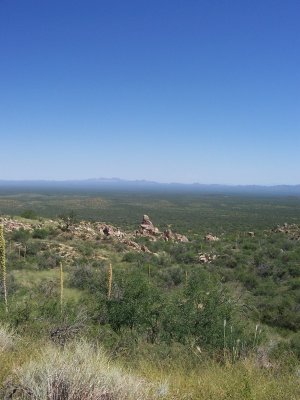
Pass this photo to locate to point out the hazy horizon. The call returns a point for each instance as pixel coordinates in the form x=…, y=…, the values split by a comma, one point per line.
x=133, y=181
x=163, y=91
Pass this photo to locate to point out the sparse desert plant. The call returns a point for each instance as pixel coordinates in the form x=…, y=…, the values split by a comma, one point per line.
x=78, y=372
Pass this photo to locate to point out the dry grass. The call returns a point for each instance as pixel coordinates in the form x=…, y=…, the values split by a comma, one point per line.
x=77, y=372
x=7, y=338
x=239, y=381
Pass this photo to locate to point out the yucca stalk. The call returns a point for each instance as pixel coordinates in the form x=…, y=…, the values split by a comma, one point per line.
x=110, y=272
x=224, y=336
x=3, y=265
x=61, y=288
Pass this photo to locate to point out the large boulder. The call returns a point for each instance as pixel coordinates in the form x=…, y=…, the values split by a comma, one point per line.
x=147, y=228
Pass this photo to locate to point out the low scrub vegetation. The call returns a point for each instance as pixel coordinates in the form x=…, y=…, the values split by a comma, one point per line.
x=89, y=316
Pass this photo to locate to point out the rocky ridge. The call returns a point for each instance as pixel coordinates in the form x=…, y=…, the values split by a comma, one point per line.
x=86, y=230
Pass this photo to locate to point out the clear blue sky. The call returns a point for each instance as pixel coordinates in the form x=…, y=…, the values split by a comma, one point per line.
x=189, y=91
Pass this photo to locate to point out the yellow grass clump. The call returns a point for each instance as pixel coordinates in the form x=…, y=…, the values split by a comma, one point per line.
x=77, y=372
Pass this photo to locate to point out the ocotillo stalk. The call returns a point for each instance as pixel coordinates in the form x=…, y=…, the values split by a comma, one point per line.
x=3, y=265
x=109, y=281
x=61, y=287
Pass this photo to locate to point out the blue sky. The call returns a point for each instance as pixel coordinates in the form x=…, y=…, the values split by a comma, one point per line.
x=174, y=91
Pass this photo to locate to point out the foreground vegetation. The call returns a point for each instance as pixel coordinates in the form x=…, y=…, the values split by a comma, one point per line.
x=157, y=324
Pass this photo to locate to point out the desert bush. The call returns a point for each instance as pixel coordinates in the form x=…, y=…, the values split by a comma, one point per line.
x=47, y=260
x=40, y=233
x=135, y=303
x=21, y=235
x=183, y=253
x=29, y=214
x=69, y=219
x=33, y=248
x=172, y=276
x=84, y=277
x=78, y=372
x=197, y=313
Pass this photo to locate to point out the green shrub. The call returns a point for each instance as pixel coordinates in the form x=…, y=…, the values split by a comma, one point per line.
x=197, y=312
x=29, y=214
x=40, y=233
x=135, y=303
x=21, y=235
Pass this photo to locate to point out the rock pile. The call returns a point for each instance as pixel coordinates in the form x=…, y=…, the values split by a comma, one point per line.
x=206, y=258
x=292, y=230
x=168, y=235
x=210, y=238
x=90, y=231
x=11, y=225
x=147, y=229
x=135, y=246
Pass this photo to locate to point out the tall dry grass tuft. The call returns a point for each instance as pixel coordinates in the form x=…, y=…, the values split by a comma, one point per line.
x=3, y=265
x=78, y=372
x=110, y=273
x=7, y=338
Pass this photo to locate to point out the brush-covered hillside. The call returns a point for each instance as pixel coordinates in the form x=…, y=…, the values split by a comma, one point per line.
x=91, y=310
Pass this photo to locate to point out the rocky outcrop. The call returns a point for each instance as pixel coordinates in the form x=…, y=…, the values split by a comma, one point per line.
x=135, y=246
x=206, y=258
x=147, y=229
x=11, y=225
x=88, y=231
x=210, y=238
x=168, y=235
x=291, y=230
x=108, y=230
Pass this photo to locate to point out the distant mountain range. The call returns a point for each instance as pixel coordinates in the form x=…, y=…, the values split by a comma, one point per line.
x=101, y=184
